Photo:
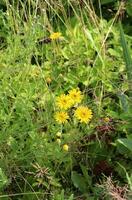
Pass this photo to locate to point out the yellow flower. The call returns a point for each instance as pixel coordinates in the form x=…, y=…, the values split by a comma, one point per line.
x=61, y=117
x=55, y=36
x=64, y=102
x=75, y=95
x=83, y=113
x=65, y=147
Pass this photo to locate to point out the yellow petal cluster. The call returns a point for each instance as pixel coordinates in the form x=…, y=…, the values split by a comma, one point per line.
x=55, y=36
x=61, y=117
x=83, y=113
x=64, y=102
x=75, y=95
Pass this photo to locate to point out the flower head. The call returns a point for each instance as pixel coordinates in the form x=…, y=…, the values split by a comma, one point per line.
x=55, y=36
x=61, y=117
x=65, y=147
x=75, y=95
x=83, y=113
x=64, y=102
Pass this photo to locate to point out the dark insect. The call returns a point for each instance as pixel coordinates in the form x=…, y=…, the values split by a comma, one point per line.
x=44, y=41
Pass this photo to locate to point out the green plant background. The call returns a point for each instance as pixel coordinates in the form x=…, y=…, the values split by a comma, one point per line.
x=93, y=54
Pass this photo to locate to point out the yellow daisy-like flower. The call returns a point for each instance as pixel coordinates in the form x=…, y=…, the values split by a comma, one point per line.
x=61, y=117
x=64, y=102
x=83, y=113
x=55, y=36
x=75, y=95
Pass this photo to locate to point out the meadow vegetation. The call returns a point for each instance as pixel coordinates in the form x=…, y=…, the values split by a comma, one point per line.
x=65, y=100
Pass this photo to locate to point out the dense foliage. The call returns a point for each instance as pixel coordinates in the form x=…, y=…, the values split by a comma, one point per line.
x=65, y=100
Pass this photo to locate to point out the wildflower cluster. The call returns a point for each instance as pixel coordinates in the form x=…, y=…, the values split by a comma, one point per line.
x=72, y=99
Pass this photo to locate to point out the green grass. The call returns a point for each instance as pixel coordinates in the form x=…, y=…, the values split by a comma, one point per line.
x=88, y=56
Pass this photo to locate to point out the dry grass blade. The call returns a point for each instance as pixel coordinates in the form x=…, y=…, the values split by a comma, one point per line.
x=115, y=191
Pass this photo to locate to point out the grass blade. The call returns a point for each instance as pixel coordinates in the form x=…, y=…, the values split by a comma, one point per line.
x=126, y=53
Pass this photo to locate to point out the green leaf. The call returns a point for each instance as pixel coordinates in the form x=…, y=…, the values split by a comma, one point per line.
x=103, y=2
x=3, y=179
x=124, y=102
x=129, y=177
x=126, y=142
x=79, y=182
x=71, y=197
x=86, y=176
x=129, y=7
x=126, y=53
